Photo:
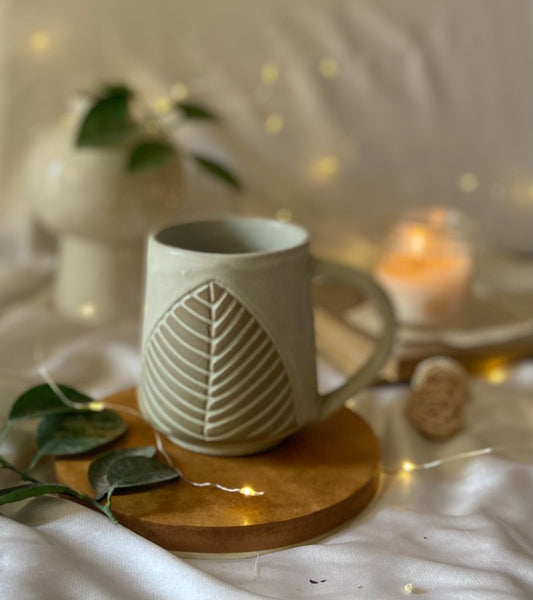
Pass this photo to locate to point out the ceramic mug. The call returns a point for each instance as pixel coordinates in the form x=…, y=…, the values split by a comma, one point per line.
x=228, y=350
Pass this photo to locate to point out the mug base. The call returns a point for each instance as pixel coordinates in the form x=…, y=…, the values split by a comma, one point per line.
x=224, y=449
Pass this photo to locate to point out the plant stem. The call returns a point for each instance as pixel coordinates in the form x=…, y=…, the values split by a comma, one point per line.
x=36, y=458
x=103, y=508
x=7, y=465
x=5, y=430
x=108, y=496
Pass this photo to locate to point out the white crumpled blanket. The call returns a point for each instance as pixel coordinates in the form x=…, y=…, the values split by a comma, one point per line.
x=461, y=530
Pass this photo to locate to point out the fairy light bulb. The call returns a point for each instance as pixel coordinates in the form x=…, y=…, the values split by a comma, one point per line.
x=408, y=589
x=162, y=105
x=270, y=73
x=87, y=310
x=324, y=168
x=408, y=466
x=40, y=41
x=497, y=374
x=468, y=183
x=274, y=123
x=249, y=491
x=328, y=67
x=284, y=215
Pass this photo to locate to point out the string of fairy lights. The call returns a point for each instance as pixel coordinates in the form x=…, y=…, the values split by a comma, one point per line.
x=496, y=376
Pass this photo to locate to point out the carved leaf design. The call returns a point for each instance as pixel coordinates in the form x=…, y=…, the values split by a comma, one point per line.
x=211, y=372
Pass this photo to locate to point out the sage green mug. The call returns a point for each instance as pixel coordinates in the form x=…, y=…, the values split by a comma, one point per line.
x=228, y=350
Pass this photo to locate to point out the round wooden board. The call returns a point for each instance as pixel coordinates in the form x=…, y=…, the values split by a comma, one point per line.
x=313, y=482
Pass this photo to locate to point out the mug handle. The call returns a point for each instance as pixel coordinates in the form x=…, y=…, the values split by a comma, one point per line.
x=335, y=399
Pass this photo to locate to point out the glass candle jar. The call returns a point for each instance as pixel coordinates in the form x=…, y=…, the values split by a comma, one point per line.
x=426, y=266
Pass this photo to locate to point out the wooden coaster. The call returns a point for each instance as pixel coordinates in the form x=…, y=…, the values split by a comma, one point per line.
x=313, y=482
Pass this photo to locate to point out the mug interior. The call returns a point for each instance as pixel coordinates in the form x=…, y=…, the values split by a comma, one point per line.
x=233, y=236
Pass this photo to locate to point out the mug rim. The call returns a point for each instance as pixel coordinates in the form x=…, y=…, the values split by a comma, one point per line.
x=300, y=236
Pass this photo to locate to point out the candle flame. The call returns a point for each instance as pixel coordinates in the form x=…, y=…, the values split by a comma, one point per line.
x=417, y=242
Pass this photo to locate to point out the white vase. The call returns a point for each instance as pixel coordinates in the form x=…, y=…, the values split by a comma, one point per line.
x=102, y=214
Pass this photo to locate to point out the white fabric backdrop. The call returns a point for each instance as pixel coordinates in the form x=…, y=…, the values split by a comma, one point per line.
x=462, y=530
x=427, y=91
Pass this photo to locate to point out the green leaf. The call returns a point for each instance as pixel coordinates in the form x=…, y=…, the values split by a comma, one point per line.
x=215, y=168
x=192, y=110
x=99, y=467
x=117, y=89
x=136, y=471
x=42, y=400
x=31, y=490
x=63, y=435
x=107, y=122
x=149, y=154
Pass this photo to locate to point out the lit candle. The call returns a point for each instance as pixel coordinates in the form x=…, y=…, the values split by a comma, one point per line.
x=426, y=269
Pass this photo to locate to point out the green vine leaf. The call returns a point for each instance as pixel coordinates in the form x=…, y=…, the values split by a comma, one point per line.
x=215, y=168
x=118, y=89
x=63, y=435
x=149, y=154
x=192, y=110
x=31, y=490
x=99, y=467
x=107, y=123
x=42, y=400
x=137, y=471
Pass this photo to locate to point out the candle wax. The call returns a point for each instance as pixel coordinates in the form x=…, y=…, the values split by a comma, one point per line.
x=425, y=289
